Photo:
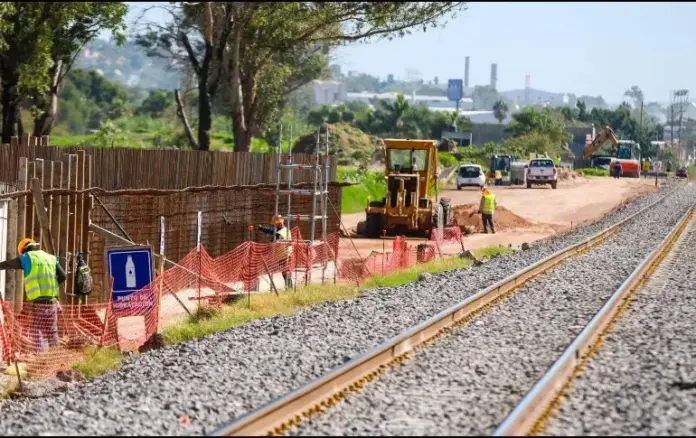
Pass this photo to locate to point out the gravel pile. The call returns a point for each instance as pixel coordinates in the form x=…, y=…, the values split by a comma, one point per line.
x=643, y=380
x=225, y=375
x=470, y=380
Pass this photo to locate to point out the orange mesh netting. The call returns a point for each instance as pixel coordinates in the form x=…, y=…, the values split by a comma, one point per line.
x=48, y=338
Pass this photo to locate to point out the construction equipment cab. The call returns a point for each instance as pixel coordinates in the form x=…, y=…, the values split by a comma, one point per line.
x=411, y=203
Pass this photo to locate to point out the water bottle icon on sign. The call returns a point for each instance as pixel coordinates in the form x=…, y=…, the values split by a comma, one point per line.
x=130, y=273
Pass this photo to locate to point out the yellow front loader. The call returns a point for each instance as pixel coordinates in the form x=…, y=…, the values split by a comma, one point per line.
x=411, y=204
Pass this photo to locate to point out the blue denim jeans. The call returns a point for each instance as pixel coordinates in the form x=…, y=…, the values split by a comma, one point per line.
x=45, y=326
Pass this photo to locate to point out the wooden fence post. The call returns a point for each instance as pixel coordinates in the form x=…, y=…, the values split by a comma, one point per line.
x=22, y=178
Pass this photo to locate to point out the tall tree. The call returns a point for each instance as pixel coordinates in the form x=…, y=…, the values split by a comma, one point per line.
x=74, y=25
x=198, y=38
x=636, y=94
x=258, y=42
x=500, y=110
x=40, y=42
x=545, y=122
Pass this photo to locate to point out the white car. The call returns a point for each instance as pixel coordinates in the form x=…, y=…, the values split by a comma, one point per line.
x=470, y=175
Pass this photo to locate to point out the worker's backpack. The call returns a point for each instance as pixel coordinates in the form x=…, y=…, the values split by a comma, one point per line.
x=83, y=277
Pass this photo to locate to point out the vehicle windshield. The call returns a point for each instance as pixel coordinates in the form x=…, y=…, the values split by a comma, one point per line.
x=541, y=163
x=624, y=152
x=501, y=163
x=469, y=172
x=412, y=159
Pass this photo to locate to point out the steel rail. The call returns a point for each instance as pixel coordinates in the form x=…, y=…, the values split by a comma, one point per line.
x=325, y=391
x=530, y=415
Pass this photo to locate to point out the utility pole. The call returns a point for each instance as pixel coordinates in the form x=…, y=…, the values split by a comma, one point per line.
x=640, y=133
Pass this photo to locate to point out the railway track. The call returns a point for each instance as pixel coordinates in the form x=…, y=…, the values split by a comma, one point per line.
x=385, y=398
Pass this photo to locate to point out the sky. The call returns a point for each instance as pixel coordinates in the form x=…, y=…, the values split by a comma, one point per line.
x=575, y=47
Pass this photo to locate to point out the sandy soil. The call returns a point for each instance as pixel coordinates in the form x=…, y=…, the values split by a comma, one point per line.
x=573, y=203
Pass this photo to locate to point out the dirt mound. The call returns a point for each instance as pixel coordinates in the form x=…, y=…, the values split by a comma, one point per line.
x=565, y=174
x=466, y=216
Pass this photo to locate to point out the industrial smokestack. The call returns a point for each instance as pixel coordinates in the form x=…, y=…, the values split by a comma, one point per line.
x=527, y=87
x=466, y=72
x=494, y=76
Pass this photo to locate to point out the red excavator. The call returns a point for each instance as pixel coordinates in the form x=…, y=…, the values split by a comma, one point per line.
x=624, y=151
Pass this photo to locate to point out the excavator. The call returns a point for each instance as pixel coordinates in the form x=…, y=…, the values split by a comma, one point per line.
x=621, y=150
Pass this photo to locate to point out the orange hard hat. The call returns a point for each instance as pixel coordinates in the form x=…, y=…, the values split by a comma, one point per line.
x=23, y=244
x=275, y=220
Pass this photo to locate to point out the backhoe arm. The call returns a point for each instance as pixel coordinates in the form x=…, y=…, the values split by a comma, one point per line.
x=606, y=134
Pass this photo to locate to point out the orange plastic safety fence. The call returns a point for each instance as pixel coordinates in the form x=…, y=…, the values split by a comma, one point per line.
x=48, y=337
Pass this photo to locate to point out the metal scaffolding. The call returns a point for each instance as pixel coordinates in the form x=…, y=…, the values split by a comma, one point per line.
x=320, y=168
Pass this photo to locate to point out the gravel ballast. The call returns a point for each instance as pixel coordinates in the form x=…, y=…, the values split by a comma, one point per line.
x=470, y=380
x=225, y=375
x=643, y=379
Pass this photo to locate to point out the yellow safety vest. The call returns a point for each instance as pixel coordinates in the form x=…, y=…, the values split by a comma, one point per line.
x=498, y=174
x=285, y=236
x=489, y=203
x=558, y=161
x=42, y=280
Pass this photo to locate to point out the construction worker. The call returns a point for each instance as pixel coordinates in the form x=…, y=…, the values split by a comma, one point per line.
x=498, y=178
x=646, y=167
x=557, y=161
x=617, y=169
x=487, y=208
x=282, y=235
x=42, y=277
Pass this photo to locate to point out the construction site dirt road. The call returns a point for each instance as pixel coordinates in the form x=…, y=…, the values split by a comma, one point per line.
x=527, y=215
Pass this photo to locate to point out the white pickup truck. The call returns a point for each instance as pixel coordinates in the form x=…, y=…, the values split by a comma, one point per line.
x=542, y=171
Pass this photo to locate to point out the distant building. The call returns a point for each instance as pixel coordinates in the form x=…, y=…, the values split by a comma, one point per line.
x=326, y=92
x=434, y=103
x=531, y=96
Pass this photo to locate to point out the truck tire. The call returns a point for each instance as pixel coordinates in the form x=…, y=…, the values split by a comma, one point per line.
x=529, y=185
x=554, y=184
x=373, y=225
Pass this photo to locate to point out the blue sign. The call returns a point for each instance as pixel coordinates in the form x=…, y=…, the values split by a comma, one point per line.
x=131, y=270
x=455, y=89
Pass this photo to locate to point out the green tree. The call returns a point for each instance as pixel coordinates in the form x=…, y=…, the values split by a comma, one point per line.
x=41, y=43
x=261, y=45
x=500, y=110
x=636, y=94
x=582, y=110
x=546, y=122
x=156, y=103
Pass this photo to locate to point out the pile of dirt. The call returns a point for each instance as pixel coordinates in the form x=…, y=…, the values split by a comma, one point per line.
x=354, y=145
x=565, y=174
x=468, y=220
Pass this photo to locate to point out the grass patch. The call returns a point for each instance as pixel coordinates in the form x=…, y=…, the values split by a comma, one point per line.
x=438, y=265
x=691, y=171
x=593, y=171
x=262, y=306
x=367, y=184
x=98, y=361
x=269, y=305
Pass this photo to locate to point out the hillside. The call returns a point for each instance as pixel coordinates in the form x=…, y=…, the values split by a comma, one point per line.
x=128, y=65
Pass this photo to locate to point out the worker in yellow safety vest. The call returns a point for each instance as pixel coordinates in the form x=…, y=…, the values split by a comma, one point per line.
x=487, y=208
x=282, y=234
x=498, y=178
x=557, y=161
x=42, y=277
